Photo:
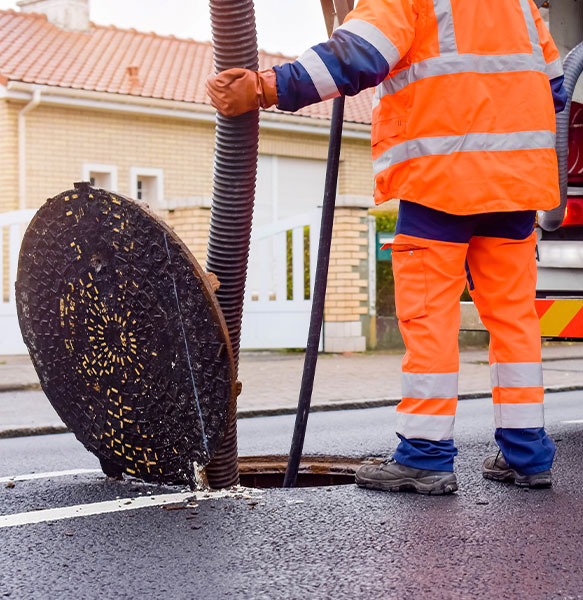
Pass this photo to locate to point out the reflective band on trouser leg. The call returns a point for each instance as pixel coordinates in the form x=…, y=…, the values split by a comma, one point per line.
x=427, y=409
x=517, y=392
x=426, y=427
x=504, y=276
x=429, y=279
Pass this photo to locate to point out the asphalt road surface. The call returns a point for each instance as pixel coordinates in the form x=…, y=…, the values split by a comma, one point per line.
x=70, y=533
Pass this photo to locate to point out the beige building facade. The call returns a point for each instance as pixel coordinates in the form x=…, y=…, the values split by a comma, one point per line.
x=161, y=151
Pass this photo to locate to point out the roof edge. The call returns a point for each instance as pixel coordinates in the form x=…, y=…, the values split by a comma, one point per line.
x=112, y=27
x=108, y=101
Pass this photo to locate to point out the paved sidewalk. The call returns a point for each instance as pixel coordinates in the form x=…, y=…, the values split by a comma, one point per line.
x=272, y=380
x=271, y=383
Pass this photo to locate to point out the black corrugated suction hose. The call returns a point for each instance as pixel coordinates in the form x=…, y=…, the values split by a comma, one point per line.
x=235, y=170
x=573, y=66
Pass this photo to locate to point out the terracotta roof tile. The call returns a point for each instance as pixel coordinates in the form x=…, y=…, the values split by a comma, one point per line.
x=33, y=50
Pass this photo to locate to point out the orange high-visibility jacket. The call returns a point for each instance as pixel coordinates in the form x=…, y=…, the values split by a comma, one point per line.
x=463, y=118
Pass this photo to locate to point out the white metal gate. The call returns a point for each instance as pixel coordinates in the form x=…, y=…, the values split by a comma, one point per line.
x=12, y=227
x=280, y=281
x=278, y=297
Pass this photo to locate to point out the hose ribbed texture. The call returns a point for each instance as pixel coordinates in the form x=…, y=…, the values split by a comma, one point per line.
x=235, y=169
x=573, y=66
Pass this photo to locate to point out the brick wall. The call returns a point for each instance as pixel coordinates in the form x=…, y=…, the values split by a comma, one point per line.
x=347, y=294
x=356, y=175
x=61, y=140
x=292, y=144
x=192, y=227
x=8, y=156
x=8, y=180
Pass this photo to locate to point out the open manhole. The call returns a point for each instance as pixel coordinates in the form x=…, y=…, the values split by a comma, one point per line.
x=269, y=471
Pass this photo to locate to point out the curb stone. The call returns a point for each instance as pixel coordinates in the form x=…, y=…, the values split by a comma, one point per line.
x=287, y=410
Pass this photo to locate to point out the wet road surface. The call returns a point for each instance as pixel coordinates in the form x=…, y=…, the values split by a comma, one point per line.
x=487, y=541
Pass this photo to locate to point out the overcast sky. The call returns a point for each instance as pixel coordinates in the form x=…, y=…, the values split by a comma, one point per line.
x=286, y=26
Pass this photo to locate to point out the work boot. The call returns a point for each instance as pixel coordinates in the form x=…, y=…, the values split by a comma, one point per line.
x=391, y=476
x=496, y=468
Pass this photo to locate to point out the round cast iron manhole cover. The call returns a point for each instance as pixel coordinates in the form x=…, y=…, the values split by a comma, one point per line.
x=126, y=335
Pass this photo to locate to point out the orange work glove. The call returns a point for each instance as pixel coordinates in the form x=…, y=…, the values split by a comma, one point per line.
x=237, y=91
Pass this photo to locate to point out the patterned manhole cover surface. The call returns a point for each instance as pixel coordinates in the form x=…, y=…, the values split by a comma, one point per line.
x=125, y=333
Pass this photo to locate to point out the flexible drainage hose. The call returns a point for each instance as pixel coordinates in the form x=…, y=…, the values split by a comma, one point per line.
x=573, y=66
x=235, y=169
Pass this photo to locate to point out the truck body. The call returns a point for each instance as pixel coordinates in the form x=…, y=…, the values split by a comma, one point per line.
x=560, y=249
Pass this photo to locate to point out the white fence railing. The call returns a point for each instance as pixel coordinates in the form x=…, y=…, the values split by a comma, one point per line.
x=280, y=280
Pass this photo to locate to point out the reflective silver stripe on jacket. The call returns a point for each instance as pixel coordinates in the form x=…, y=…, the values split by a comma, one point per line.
x=531, y=27
x=516, y=375
x=451, y=62
x=445, y=28
x=519, y=416
x=426, y=427
x=554, y=68
x=319, y=74
x=375, y=37
x=458, y=63
x=429, y=385
x=471, y=142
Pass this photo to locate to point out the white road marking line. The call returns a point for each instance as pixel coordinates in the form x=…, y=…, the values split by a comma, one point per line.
x=48, y=475
x=574, y=421
x=121, y=505
x=97, y=508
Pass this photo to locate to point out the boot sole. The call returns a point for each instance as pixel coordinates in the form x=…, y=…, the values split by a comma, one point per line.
x=509, y=476
x=435, y=488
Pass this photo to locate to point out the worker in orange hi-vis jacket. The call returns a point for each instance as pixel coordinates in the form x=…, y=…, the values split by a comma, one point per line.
x=463, y=132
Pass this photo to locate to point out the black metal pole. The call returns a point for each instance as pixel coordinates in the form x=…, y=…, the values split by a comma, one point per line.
x=319, y=296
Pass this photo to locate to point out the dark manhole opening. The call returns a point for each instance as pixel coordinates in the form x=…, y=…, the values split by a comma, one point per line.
x=315, y=471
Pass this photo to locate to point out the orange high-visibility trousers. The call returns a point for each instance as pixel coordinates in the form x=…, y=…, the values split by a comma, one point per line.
x=430, y=276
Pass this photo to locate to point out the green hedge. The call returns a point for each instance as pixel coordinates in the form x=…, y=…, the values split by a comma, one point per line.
x=385, y=282
x=289, y=265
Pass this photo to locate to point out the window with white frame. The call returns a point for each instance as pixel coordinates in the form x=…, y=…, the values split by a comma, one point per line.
x=101, y=176
x=147, y=185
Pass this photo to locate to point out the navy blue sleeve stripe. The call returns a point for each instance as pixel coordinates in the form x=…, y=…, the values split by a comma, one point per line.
x=354, y=63
x=295, y=88
x=319, y=73
x=559, y=93
x=350, y=63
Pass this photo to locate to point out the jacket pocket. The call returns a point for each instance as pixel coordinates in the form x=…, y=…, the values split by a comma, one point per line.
x=410, y=281
x=383, y=129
